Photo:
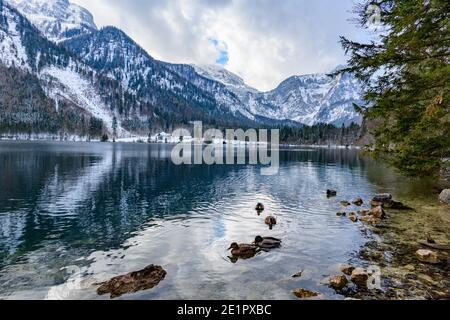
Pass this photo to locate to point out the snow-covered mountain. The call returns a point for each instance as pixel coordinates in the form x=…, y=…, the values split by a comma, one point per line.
x=307, y=99
x=109, y=76
x=56, y=19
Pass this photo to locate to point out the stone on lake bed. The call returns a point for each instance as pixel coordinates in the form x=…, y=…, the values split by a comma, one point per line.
x=338, y=282
x=346, y=269
x=445, y=196
x=427, y=256
x=305, y=294
x=358, y=202
x=363, y=212
x=345, y=203
x=341, y=214
x=133, y=282
x=378, y=212
x=360, y=277
x=353, y=218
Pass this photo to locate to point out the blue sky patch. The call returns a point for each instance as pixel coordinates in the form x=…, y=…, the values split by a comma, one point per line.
x=222, y=50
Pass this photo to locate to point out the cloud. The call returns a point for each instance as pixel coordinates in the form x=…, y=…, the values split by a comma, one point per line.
x=263, y=41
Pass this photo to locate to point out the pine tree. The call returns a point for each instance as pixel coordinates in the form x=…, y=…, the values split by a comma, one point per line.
x=407, y=78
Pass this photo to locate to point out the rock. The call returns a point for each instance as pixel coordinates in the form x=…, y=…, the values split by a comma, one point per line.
x=338, y=282
x=331, y=193
x=445, y=196
x=386, y=201
x=384, y=197
x=133, y=282
x=345, y=203
x=304, y=294
x=378, y=212
x=353, y=218
x=370, y=220
x=427, y=256
x=346, y=269
x=341, y=214
x=360, y=277
x=358, y=202
x=374, y=203
x=363, y=212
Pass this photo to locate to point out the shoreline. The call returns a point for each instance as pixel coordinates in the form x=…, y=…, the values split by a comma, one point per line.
x=140, y=140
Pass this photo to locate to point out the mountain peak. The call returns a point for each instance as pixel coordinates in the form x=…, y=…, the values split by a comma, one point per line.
x=57, y=19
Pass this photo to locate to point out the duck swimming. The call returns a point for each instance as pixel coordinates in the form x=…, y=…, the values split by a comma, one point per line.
x=259, y=207
x=271, y=221
x=243, y=250
x=267, y=242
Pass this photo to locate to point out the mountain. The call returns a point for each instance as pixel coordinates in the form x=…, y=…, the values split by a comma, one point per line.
x=307, y=99
x=44, y=89
x=88, y=73
x=56, y=19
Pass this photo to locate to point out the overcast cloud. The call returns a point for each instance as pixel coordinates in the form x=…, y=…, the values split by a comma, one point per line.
x=263, y=41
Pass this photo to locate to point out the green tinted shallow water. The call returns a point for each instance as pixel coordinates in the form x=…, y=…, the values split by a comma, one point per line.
x=72, y=215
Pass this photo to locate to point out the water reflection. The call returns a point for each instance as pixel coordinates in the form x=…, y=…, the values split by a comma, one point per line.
x=109, y=209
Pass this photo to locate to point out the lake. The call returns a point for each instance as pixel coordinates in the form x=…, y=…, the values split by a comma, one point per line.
x=75, y=214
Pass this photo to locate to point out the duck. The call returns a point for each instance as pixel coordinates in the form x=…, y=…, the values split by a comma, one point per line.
x=259, y=207
x=331, y=193
x=267, y=242
x=271, y=221
x=243, y=250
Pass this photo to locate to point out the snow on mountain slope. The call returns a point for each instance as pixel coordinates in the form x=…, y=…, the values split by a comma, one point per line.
x=67, y=84
x=62, y=77
x=12, y=51
x=307, y=99
x=56, y=19
x=222, y=75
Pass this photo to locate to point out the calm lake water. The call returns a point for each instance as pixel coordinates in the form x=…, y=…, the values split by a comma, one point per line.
x=75, y=214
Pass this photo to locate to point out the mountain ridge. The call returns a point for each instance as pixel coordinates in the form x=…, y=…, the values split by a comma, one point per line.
x=149, y=93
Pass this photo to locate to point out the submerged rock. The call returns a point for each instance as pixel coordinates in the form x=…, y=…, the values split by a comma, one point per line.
x=360, y=277
x=338, y=282
x=363, y=212
x=358, y=202
x=378, y=212
x=346, y=269
x=304, y=293
x=133, y=282
x=353, y=217
x=445, y=196
x=427, y=256
x=341, y=214
x=345, y=203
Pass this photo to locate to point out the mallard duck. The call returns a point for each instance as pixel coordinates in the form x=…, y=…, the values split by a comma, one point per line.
x=271, y=221
x=259, y=207
x=243, y=250
x=267, y=242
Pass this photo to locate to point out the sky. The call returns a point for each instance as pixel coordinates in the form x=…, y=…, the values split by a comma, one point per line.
x=263, y=41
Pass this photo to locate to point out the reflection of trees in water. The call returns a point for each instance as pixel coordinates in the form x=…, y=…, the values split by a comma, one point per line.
x=96, y=200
